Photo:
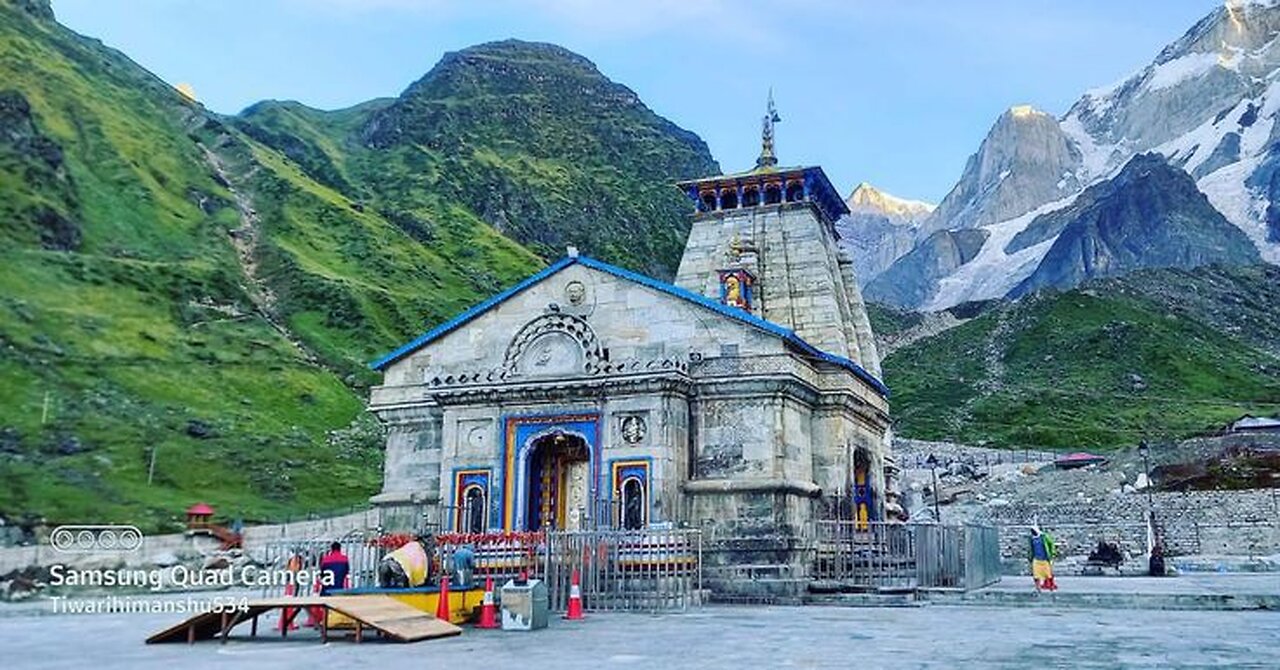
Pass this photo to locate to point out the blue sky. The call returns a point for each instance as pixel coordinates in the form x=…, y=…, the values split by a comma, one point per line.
x=896, y=92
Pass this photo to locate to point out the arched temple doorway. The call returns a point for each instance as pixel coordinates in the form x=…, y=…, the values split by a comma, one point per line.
x=475, y=510
x=633, y=504
x=559, y=482
x=861, y=489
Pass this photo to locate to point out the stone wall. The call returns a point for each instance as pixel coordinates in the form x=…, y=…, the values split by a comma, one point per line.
x=15, y=558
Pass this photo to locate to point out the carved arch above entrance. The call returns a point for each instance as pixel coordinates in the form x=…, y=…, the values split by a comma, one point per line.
x=553, y=345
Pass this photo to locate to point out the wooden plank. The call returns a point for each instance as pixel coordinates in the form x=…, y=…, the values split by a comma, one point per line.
x=392, y=617
x=384, y=614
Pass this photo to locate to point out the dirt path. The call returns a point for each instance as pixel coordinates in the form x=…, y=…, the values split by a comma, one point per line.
x=932, y=323
x=245, y=240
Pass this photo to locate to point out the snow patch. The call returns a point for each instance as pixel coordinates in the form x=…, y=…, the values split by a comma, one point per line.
x=1094, y=156
x=1226, y=191
x=993, y=273
x=1173, y=72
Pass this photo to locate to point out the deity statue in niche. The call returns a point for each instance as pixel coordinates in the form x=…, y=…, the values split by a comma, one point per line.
x=733, y=292
x=735, y=288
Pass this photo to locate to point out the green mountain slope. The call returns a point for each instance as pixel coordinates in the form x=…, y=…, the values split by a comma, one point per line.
x=203, y=293
x=1158, y=353
x=124, y=322
x=528, y=137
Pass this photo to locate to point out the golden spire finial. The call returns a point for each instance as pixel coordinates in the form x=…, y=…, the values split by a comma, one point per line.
x=767, y=158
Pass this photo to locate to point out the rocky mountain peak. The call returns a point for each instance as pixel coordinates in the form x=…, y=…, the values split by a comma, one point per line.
x=1024, y=161
x=516, y=67
x=869, y=199
x=41, y=9
x=1236, y=25
x=1149, y=215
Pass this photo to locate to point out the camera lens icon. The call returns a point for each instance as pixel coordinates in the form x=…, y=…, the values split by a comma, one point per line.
x=95, y=539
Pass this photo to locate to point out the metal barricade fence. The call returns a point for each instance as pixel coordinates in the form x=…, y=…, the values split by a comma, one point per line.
x=865, y=554
x=982, y=564
x=888, y=556
x=646, y=570
x=626, y=570
x=501, y=556
x=305, y=555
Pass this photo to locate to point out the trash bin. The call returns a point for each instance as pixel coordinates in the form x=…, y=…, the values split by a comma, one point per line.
x=524, y=605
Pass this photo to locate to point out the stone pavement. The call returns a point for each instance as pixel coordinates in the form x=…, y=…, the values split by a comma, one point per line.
x=710, y=638
x=1192, y=583
x=1208, y=591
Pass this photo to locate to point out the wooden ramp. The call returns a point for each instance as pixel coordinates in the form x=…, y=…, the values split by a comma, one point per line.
x=383, y=614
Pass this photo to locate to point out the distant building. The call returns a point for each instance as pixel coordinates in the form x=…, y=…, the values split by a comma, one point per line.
x=1255, y=424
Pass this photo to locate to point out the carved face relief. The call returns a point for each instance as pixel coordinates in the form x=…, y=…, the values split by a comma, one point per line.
x=575, y=292
x=551, y=354
x=633, y=429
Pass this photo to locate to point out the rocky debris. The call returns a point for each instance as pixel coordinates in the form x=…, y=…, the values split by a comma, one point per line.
x=1106, y=501
x=68, y=445
x=10, y=441
x=164, y=559
x=23, y=584
x=217, y=562
x=200, y=430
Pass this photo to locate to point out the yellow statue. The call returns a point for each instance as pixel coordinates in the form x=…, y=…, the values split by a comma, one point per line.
x=733, y=292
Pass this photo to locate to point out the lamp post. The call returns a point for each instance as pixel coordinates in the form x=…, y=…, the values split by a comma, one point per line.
x=1145, y=450
x=932, y=462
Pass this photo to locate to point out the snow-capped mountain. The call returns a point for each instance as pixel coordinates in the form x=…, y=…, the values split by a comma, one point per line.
x=1025, y=161
x=879, y=229
x=1208, y=103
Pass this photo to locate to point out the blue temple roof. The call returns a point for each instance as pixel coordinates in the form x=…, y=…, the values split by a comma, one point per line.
x=734, y=313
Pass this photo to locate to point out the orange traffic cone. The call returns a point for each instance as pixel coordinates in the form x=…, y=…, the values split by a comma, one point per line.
x=486, y=608
x=442, y=607
x=575, y=599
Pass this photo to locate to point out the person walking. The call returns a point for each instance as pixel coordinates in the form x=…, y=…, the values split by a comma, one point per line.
x=1043, y=552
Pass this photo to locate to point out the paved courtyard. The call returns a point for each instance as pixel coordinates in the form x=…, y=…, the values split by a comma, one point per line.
x=712, y=637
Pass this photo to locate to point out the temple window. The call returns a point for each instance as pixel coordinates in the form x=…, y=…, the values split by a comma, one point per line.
x=708, y=201
x=795, y=191
x=750, y=196
x=728, y=199
x=772, y=194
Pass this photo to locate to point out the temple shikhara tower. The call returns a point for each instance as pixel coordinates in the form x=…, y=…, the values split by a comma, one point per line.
x=743, y=400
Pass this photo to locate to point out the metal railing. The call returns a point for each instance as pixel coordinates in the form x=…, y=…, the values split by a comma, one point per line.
x=645, y=570
x=852, y=555
x=305, y=555
x=626, y=570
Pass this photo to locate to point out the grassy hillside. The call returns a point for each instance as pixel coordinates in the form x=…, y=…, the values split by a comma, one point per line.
x=529, y=138
x=1155, y=354
x=204, y=293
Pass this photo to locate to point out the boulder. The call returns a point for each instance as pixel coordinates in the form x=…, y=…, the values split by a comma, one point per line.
x=164, y=559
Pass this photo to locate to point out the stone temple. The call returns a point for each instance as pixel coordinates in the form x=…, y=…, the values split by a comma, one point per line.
x=743, y=400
